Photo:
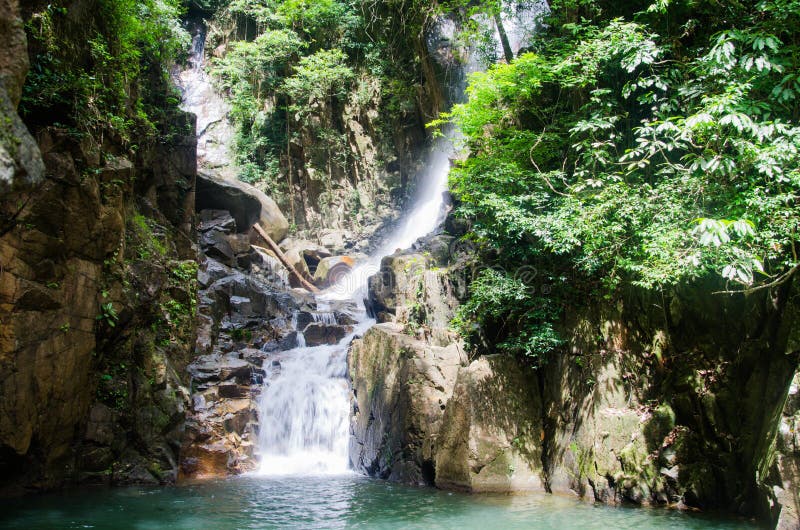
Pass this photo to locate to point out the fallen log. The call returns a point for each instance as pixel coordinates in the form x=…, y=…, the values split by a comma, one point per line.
x=282, y=258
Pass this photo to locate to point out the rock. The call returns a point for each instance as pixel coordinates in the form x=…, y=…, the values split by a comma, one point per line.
x=491, y=435
x=400, y=388
x=247, y=204
x=408, y=291
x=308, y=248
x=233, y=391
x=300, y=265
x=240, y=243
x=214, y=368
x=335, y=240
x=788, y=461
x=20, y=158
x=396, y=283
x=215, y=244
x=216, y=219
x=211, y=271
x=439, y=248
x=332, y=269
x=318, y=333
x=100, y=428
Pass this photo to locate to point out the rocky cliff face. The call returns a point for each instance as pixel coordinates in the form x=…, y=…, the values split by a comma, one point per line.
x=20, y=160
x=97, y=290
x=644, y=405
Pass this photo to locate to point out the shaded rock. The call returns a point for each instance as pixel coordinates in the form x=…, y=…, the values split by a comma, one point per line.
x=211, y=271
x=247, y=204
x=240, y=243
x=100, y=428
x=215, y=244
x=439, y=248
x=221, y=220
x=491, y=436
x=233, y=391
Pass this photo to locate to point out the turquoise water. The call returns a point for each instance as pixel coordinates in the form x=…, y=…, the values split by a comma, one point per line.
x=329, y=502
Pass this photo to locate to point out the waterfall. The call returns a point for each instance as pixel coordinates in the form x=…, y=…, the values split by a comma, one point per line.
x=215, y=133
x=305, y=405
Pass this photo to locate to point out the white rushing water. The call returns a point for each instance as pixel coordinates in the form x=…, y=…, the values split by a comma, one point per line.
x=305, y=405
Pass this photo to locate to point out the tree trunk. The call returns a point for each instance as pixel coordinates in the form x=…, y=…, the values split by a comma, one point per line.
x=503, y=38
x=282, y=258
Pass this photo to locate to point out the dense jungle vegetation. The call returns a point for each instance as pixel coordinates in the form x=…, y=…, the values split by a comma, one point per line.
x=636, y=144
x=118, y=84
x=295, y=62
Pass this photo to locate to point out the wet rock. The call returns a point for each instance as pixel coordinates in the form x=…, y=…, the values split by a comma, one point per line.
x=247, y=204
x=317, y=333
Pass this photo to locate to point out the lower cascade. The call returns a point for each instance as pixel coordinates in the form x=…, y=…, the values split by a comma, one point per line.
x=304, y=408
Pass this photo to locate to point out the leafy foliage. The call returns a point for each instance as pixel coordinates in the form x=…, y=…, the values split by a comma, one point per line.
x=640, y=150
x=304, y=60
x=96, y=82
x=505, y=315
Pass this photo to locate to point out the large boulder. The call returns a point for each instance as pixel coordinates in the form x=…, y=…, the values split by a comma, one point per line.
x=400, y=388
x=491, y=434
x=247, y=205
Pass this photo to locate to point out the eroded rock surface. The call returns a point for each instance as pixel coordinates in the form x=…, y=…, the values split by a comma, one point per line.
x=400, y=388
